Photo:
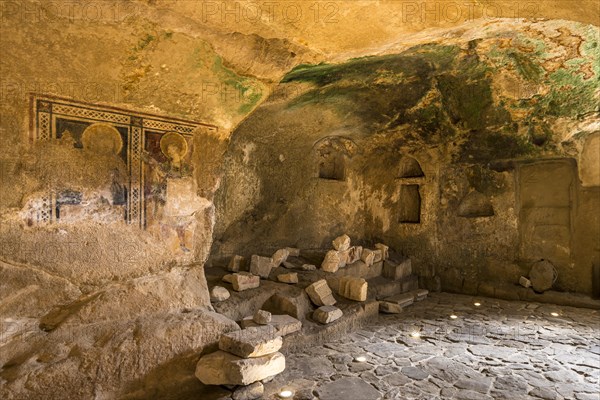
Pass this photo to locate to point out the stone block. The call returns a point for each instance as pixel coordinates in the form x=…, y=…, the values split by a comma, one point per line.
x=354, y=254
x=327, y=314
x=333, y=261
x=389, y=307
x=262, y=317
x=308, y=267
x=291, y=277
x=219, y=293
x=341, y=243
x=295, y=304
x=367, y=256
x=377, y=256
x=283, y=324
x=397, y=271
x=385, y=250
x=261, y=266
x=288, y=265
x=250, y=392
x=235, y=264
x=227, y=278
x=222, y=368
x=251, y=342
x=243, y=281
x=293, y=252
x=320, y=293
x=279, y=257
x=353, y=288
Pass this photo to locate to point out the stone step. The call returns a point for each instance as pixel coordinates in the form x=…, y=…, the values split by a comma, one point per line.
x=380, y=287
x=397, y=303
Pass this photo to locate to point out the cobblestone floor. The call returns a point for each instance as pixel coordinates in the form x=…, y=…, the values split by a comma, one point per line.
x=498, y=350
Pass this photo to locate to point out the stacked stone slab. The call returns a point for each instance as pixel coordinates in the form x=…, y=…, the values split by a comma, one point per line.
x=396, y=304
x=244, y=357
x=283, y=324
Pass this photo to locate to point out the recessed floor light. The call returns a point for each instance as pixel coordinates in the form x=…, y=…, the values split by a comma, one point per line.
x=360, y=359
x=453, y=316
x=554, y=314
x=416, y=334
x=286, y=394
x=477, y=304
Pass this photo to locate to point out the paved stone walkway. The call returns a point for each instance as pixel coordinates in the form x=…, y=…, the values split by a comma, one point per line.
x=498, y=350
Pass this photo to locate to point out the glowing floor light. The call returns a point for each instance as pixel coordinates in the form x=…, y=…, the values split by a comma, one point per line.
x=554, y=314
x=453, y=316
x=477, y=304
x=286, y=394
x=360, y=359
x=416, y=335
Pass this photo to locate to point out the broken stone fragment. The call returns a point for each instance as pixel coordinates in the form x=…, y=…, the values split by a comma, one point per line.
x=308, y=267
x=385, y=250
x=389, y=307
x=244, y=281
x=283, y=324
x=332, y=261
x=524, y=282
x=250, y=392
x=227, y=278
x=251, y=342
x=292, y=277
x=262, y=317
x=261, y=266
x=367, y=256
x=235, y=263
x=293, y=252
x=394, y=271
x=377, y=256
x=327, y=314
x=222, y=368
x=279, y=257
x=288, y=265
x=295, y=304
x=354, y=254
x=341, y=243
x=320, y=293
x=219, y=293
x=353, y=288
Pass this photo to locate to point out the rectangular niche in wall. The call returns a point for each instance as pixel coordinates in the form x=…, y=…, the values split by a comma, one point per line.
x=138, y=136
x=409, y=204
x=331, y=166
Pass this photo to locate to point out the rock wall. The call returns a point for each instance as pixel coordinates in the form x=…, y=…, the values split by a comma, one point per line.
x=461, y=153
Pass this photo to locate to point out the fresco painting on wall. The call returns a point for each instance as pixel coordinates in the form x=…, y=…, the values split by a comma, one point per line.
x=149, y=150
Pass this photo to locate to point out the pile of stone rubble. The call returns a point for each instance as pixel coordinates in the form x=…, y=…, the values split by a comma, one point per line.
x=252, y=355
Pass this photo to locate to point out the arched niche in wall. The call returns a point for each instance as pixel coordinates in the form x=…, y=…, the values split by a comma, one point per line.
x=589, y=161
x=410, y=168
x=410, y=176
x=331, y=157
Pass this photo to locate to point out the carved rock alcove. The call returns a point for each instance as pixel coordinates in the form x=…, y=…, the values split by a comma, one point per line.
x=331, y=154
